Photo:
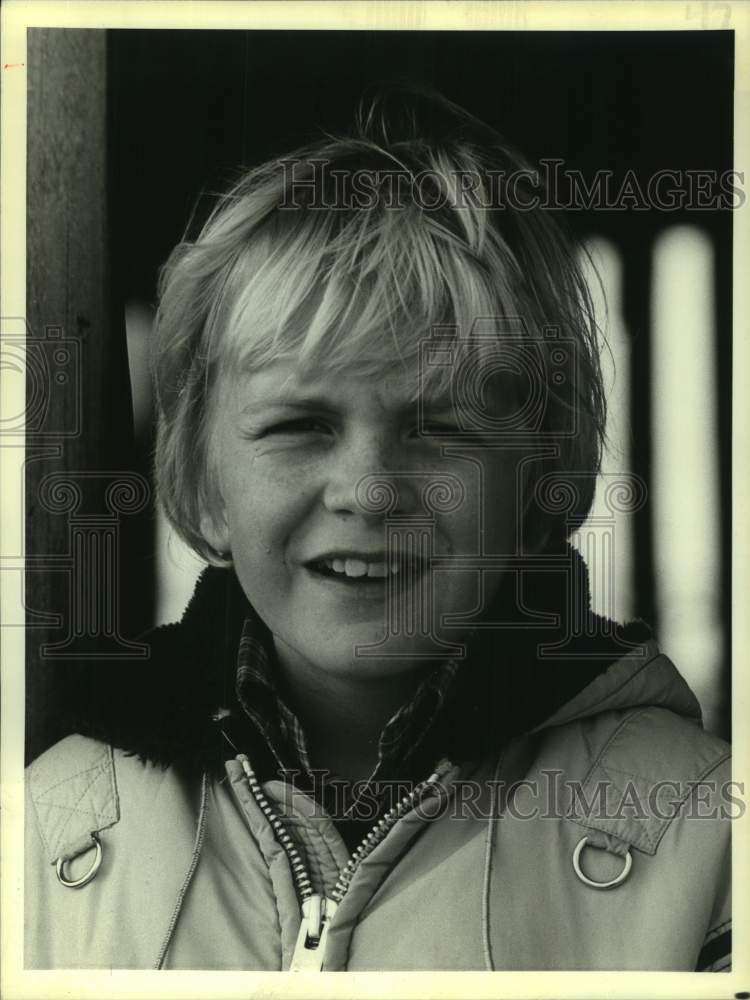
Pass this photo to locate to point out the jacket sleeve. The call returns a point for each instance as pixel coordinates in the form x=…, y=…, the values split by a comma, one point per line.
x=37, y=942
x=716, y=953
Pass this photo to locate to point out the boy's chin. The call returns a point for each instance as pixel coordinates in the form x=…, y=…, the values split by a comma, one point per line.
x=374, y=656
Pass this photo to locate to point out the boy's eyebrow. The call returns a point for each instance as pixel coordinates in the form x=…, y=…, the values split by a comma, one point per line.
x=324, y=404
x=291, y=402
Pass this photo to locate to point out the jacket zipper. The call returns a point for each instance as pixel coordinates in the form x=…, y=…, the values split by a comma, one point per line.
x=316, y=910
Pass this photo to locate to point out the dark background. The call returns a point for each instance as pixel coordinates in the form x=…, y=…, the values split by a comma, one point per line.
x=185, y=110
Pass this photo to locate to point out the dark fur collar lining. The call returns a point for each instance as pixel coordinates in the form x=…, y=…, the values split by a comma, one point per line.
x=162, y=708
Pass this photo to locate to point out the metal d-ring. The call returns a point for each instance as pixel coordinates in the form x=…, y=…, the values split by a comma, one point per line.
x=84, y=879
x=618, y=880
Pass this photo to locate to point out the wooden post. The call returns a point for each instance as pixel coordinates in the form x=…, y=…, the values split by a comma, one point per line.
x=78, y=389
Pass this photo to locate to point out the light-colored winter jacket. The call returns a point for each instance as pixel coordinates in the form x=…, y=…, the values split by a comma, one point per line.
x=487, y=871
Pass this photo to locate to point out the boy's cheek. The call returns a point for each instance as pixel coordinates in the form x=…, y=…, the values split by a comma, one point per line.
x=264, y=583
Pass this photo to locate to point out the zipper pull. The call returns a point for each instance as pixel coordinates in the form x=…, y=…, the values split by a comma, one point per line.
x=310, y=949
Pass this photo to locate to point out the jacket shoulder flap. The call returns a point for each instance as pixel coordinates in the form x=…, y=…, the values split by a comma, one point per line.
x=73, y=792
x=633, y=771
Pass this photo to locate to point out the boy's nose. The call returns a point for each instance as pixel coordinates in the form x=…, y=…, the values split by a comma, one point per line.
x=368, y=479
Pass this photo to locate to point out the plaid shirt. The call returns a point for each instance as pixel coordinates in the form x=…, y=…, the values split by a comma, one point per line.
x=259, y=696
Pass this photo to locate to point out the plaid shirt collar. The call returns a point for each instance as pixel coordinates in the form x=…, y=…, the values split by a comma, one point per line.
x=259, y=697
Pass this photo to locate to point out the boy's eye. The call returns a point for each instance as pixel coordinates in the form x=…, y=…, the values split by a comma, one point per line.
x=300, y=425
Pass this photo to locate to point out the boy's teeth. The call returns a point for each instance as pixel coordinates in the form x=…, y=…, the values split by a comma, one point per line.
x=355, y=567
x=358, y=567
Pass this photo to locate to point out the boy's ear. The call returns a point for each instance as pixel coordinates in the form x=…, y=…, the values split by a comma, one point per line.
x=215, y=531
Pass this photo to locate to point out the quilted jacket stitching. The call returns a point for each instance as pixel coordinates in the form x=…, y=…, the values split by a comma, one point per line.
x=72, y=810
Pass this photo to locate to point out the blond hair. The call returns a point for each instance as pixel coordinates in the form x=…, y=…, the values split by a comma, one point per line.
x=348, y=254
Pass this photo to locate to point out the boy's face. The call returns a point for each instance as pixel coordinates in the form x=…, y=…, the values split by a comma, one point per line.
x=293, y=453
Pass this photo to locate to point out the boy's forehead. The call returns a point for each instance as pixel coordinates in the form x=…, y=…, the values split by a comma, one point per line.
x=288, y=381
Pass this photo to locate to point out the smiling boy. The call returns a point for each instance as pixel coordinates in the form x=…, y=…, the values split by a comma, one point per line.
x=346, y=756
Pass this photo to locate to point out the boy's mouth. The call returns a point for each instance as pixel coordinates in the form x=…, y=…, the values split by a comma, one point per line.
x=358, y=568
